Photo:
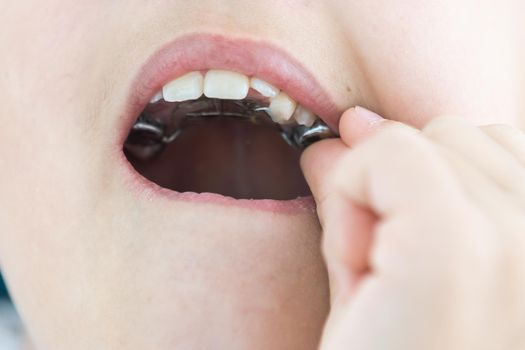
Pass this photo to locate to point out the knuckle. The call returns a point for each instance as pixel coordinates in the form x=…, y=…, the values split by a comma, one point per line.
x=497, y=127
x=322, y=203
x=395, y=127
x=394, y=146
x=395, y=135
x=408, y=145
x=500, y=130
x=441, y=125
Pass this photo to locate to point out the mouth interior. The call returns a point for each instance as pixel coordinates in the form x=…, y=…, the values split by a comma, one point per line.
x=231, y=156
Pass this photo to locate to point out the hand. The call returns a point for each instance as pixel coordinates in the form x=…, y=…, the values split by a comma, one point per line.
x=424, y=234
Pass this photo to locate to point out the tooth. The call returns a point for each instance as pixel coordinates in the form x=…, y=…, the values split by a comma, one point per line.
x=187, y=87
x=264, y=88
x=226, y=85
x=158, y=96
x=281, y=108
x=304, y=116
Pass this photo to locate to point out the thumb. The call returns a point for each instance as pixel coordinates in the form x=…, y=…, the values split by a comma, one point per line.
x=345, y=250
x=318, y=160
x=358, y=124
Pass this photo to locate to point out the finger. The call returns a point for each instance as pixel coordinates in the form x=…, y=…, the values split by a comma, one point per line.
x=481, y=150
x=425, y=231
x=483, y=191
x=512, y=139
x=394, y=167
x=411, y=183
x=358, y=124
x=346, y=244
x=350, y=224
x=318, y=160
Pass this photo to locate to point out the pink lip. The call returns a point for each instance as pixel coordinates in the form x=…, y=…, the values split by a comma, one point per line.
x=252, y=58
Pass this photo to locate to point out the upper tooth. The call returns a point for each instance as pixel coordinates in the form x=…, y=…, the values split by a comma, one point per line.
x=304, y=116
x=226, y=85
x=264, y=88
x=158, y=96
x=281, y=108
x=230, y=85
x=187, y=87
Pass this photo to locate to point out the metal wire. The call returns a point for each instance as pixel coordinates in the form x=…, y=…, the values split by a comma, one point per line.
x=149, y=136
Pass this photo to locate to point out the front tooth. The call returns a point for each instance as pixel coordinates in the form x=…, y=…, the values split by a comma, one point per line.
x=282, y=108
x=304, y=116
x=158, y=96
x=226, y=85
x=187, y=87
x=264, y=88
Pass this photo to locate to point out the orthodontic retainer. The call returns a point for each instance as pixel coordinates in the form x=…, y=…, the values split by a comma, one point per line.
x=151, y=134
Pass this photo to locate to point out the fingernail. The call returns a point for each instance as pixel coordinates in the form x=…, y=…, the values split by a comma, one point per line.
x=369, y=116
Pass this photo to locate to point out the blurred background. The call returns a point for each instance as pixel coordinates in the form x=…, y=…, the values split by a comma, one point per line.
x=11, y=330
x=3, y=290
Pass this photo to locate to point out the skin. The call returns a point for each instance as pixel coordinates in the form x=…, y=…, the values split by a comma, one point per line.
x=92, y=264
x=429, y=258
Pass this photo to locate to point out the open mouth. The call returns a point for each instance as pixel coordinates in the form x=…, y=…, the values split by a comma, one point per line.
x=224, y=132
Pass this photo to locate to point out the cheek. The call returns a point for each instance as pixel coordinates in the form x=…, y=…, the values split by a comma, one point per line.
x=52, y=79
x=422, y=59
x=124, y=253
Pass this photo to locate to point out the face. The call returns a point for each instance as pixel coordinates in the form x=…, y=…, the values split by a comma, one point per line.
x=92, y=250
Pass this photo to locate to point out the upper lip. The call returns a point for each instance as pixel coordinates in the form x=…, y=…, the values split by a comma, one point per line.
x=203, y=51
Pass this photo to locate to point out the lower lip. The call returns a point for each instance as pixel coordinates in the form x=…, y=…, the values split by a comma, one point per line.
x=206, y=51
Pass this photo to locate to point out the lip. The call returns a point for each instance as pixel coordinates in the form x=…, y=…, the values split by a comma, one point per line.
x=203, y=51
